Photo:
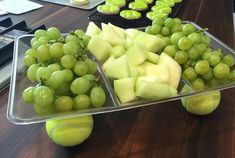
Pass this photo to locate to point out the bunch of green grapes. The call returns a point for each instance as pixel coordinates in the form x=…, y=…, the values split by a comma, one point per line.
x=202, y=65
x=64, y=76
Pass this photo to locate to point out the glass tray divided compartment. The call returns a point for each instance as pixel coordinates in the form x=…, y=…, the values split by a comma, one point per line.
x=20, y=113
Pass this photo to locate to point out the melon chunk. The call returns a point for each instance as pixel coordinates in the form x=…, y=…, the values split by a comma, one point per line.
x=132, y=33
x=152, y=57
x=142, y=68
x=120, y=31
x=109, y=61
x=99, y=48
x=124, y=89
x=174, y=69
x=111, y=36
x=150, y=90
x=161, y=72
x=153, y=43
x=118, y=69
x=92, y=29
x=136, y=54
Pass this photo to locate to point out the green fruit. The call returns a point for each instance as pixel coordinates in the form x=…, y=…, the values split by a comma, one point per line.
x=70, y=132
x=201, y=104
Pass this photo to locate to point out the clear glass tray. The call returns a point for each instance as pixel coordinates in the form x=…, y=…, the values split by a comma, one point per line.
x=20, y=113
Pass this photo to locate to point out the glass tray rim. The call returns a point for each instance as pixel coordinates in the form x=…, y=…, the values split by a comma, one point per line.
x=116, y=105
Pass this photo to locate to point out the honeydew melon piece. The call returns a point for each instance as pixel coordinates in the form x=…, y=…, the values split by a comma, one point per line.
x=118, y=51
x=142, y=68
x=173, y=67
x=128, y=43
x=99, y=48
x=118, y=69
x=136, y=54
x=153, y=57
x=124, y=89
x=161, y=72
x=109, y=61
x=151, y=79
x=92, y=29
x=133, y=71
x=150, y=90
x=153, y=43
x=119, y=31
x=111, y=36
x=132, y=33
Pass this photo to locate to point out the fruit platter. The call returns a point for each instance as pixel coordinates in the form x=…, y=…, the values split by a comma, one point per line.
x=109, y=68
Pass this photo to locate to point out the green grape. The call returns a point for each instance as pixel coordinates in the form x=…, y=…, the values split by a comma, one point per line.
x=92, y=66
x=193, y=53
x=56, y=79
x=43, y=53
x=81, y=101
x=31, y=52
x=208, y=76
x=56, y=50
x=214, y=59
x=35, y=45
x=176, y=28
x=169, y=22
x=175, y=37
x=89, y=77
x=43, y=40
x=53, y=67
x=198, y=84
x=64, y=89
x=43, y=96
x=181, y=57
x=219, y=52
x=40, y=33
x=53, y=33
x=206, y=40
x=73, y=38
x=42, y=75
x=85, y=40
x=232, y=75
x=71, y=48
x=195, y=38
x=177, y=21
x=68, y=61
x=68, y=75
x=28, y=95
x=201, y=48
x=221, y=71
x=184, y=43
x=80, y=86
x=171, y=50
x=31, y=72
x=190, y=74
x=158, y=20
x=97, y=96
x=167, y=40
x=165, y=31
x=50, y=109
x=155, y=29
x=202, y=67
x=214, y=82
x=80, y=68
x=189, y=63
x=80, y=33
x=188, y=29
x=206, y=55
x=32, y=41
x=148, y=30
x=229, y=60
x=29, y=60
x=64, y=103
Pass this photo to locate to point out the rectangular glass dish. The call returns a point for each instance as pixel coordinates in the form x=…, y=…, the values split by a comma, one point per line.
x=20, y=113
